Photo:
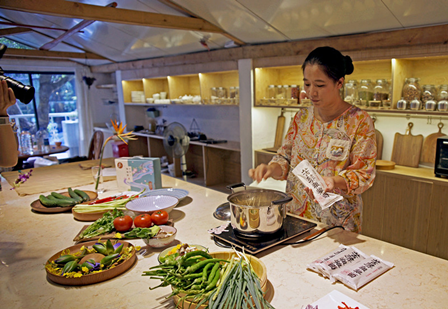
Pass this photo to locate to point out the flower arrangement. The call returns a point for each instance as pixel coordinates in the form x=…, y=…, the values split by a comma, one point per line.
x=22, y=178
x=117, y=135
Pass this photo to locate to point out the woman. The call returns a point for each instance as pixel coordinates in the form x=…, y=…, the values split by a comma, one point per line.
x=338, y=139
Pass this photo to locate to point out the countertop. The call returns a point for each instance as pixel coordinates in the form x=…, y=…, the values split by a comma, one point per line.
x=28, y=239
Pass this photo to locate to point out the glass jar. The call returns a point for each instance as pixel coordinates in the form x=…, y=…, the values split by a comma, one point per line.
x=428, y=93
x=222, y=92
x=295, y=90
x=442, y=105
x=430, y=105
x=411, y=89
x=365, y=92
x=415, y=104
x=281, y=92
x=232, y=92
x=287, y=91
x=271, y=92
x=380, y=91
x=443, y=92
x=214, y=91
x=351, y=91
x=402, y=104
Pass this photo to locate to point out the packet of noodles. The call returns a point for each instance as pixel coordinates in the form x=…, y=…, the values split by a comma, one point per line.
x=311, y=179
x=332, y=265
x=331, y=255
x=362, y=272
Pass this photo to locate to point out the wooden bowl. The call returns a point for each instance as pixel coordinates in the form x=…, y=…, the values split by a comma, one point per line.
x=37, y=205
x=92, y=278
x=257, y=265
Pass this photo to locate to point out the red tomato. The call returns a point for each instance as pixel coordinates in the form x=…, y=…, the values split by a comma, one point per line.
x=159, y=217
x=123, y=224
x=143, y=220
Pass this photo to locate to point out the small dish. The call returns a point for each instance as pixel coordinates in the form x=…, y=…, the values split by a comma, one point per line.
x=150, y=204
x=37, y=205
x=161, y=240
x=167, y=250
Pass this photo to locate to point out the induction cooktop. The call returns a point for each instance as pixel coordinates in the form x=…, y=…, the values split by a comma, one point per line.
x=292, y=227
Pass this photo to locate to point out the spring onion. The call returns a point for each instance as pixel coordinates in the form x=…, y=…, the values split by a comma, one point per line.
x=111, y=205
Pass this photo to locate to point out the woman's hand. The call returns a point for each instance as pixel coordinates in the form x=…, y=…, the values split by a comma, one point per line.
x=331, y=183
x=7, y=98
x=264, y=171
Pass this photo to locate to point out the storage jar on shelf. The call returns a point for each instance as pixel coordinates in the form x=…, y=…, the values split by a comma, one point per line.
x=402, y=104
x=415, y=104
x=295, y=91
x=365, y=92
x=380, y=91
x=430, y=105
x=428, y=93
x=442, y=105
x=351, y=91
x=443, y=92
x=411, y=89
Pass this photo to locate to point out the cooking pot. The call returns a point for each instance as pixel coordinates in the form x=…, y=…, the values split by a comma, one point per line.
x=257, y=212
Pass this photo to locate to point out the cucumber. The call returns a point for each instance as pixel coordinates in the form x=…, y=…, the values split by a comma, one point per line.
x=62, y=197
x=55, y=202
x=75, y=196
x=82, y=194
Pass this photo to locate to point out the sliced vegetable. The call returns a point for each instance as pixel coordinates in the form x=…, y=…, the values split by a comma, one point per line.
x=143, y=232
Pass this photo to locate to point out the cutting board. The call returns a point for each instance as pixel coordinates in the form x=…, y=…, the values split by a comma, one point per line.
x=379, y=144
x=407, y=148
x=429, y=146
x=278, y=134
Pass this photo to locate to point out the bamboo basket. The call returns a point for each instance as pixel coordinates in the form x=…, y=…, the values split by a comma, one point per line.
x=257, y=265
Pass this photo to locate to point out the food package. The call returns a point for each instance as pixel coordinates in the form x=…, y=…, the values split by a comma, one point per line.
x=138, y=173
x=311, y=179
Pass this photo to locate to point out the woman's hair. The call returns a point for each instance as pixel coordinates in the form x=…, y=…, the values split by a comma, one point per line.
x=334, y=64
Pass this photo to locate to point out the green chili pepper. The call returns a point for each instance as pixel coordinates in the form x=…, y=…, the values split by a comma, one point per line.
x=213, y=283
x=213, y=272
x=197, y=266
x=205, y=271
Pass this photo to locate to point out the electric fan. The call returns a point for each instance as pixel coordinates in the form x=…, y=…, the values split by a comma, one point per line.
x=176, y=142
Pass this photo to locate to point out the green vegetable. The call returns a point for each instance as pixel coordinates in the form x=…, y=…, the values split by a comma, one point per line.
x=69, y=267
x=55, y=202
x=75, y=196
x=65, y=259
x=82, y=194
x=111, y=205
x=197, y=266
x=61, y=196
x=213, y=272
x=88, y=265
x=214, y=281
x=100, y=248
x=107, y=260
x=143, y=232
x=103, y=225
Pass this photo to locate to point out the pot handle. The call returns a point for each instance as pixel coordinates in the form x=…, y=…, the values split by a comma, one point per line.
x=282, y=202
x=236, y=185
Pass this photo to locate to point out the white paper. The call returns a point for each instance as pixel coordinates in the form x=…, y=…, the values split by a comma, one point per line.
x=334, y=299
x=311, y=179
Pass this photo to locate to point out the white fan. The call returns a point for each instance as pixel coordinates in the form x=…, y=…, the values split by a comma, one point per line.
x=176, y=142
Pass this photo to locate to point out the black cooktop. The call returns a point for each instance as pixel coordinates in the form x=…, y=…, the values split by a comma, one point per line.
x=292, y=227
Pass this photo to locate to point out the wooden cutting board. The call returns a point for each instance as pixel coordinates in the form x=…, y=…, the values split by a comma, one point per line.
x=429, y=146
x=278, y=134
x=407, y=148
x=379, y=144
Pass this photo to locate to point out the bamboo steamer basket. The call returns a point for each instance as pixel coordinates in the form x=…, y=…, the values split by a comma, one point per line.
x=257, y=265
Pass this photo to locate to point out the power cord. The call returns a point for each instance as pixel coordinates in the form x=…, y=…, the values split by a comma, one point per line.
x=312, y=237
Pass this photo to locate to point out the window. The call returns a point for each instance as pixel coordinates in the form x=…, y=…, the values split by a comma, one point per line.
x=52, y=109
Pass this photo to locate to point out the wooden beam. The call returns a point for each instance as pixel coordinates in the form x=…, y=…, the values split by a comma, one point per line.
x=15, y=30
x=81, y=25
x=108, y=14
x=51, y=54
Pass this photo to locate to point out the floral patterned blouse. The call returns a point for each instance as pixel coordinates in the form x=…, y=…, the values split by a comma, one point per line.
x=345, y=146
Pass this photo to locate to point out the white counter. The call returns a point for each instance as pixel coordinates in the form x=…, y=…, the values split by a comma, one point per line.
x=28, y=239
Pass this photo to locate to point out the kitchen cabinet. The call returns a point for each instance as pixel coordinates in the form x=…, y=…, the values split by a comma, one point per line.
x=407, y=207
x=430, y=70
x=177, y=86
x=214, y=165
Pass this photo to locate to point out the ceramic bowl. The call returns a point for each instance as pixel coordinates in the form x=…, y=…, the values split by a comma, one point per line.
x=159, y=241
x=150, y=204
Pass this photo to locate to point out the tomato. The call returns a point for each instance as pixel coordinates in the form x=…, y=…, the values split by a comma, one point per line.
x=123, y=224
x=143, y=220
x=159, y=217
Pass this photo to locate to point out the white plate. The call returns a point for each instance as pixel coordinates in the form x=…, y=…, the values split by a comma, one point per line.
x=334, y=299
x=178, y=193
x=149, y=204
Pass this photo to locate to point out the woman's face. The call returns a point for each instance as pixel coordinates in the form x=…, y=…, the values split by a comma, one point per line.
x=321, y=89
